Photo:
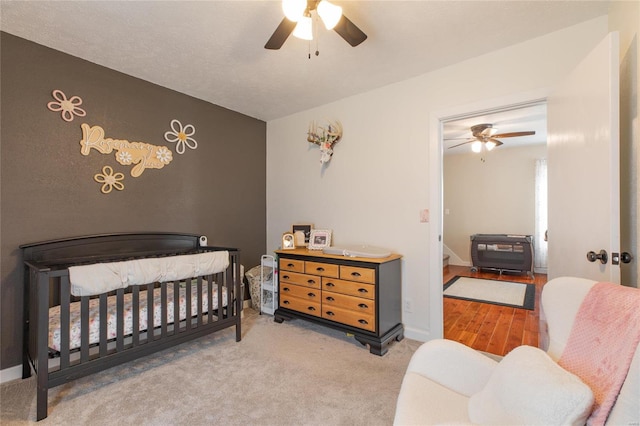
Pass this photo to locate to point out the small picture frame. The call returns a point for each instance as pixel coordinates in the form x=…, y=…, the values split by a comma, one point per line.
x=288, y=241
x=319, y=239
x=305, y=228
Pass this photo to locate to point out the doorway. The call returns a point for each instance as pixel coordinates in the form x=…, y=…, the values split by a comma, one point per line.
x=499, y=113
x=501, y=188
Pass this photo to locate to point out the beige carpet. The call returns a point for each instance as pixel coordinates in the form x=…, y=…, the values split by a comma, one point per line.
x=294, y=373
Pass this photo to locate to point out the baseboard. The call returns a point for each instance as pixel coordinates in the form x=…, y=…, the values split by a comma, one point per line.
x=417, y=334
x=11, y=373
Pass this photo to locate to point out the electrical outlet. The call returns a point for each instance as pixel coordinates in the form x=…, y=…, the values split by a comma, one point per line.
x=407, y=306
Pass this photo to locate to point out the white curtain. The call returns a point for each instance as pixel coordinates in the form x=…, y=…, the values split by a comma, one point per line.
x=540, y=243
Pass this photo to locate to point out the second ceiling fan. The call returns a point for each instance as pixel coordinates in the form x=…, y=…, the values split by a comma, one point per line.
x=298, y=21
x=485, y=135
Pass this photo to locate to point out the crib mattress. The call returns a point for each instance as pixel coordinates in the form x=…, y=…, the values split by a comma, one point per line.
x=94, y=314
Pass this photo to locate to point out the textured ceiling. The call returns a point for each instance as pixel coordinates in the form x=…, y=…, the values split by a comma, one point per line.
x=213, y=50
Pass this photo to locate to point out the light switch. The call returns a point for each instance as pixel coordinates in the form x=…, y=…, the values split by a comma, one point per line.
x=424, y=215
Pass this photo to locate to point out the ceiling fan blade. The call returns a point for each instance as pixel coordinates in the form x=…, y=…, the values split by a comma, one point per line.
x=496, y=141
x=514, y=134
x=463, y=143
x=280, y=35
x=349, y=31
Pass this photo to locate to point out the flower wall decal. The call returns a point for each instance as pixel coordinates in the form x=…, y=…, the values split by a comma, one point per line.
x=325, y=137
x=69, y=107
x=109, y=180
x=164, y=155
x=181, y=136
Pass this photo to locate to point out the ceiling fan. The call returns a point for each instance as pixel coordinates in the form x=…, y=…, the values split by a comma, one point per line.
x=298, y=21
x=485, y=135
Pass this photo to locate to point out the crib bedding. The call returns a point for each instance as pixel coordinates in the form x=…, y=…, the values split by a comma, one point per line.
x=94, y=313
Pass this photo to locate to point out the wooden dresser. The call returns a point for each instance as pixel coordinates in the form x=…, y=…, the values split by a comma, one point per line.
x=360, y=296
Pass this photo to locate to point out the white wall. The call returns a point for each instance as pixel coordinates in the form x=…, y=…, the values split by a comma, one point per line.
x=379, y=178
x=494, y=196
x=624, y=16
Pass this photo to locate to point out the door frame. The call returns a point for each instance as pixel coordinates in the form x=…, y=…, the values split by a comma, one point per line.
x=436, y=156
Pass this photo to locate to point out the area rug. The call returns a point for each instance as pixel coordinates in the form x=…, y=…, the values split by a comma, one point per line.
x=504, y=293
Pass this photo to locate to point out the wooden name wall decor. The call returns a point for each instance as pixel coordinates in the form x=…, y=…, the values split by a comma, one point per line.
x=140, y=154
x=144, y=155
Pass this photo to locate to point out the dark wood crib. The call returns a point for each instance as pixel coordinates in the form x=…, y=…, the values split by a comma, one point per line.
x=109, y=329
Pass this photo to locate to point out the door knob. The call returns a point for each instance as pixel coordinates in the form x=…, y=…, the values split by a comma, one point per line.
x=626, y=257
x=602, y=256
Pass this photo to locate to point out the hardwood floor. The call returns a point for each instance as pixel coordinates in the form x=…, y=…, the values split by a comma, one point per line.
x=491, y=328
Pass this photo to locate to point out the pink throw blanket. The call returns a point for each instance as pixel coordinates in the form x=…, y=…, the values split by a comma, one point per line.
x=604, y=337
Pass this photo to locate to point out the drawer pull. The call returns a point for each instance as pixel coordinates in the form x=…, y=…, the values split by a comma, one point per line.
x=330, y=299
x=363, y=290
x=286, y=289
x=286, y=277
x=355, y=274
x=311, y=308
x=364, y=322
x=363, y=306
x=285, y=302
x=330, y=313
x=311, y=281
x=320, y=269
x=311, y=294
x=330, y=285
x=290, y=265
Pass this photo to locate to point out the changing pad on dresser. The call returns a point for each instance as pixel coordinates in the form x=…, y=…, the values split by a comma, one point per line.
x=357, y=250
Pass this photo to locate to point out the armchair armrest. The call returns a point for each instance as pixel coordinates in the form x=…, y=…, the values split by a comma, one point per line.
x=453, y=365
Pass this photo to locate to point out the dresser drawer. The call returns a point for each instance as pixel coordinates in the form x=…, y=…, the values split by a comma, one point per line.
x=301, y=292
x=322, y=269
x=354, y=319
x=354, y=273
x=349, y=287
x=299, y=279
x=352, y=303
x=291, y=265
x=300, y=305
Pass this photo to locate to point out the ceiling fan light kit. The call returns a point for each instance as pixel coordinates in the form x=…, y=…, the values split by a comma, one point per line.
x=304, y=28
x=329, y=13
x=484, y=136
x=294, y=9
x=298, y=21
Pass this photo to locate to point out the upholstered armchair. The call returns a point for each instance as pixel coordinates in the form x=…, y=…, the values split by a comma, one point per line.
x=449, y=383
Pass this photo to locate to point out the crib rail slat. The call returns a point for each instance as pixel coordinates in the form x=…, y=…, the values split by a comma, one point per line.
x=135, y=318
x=176, y=307
x=65, y=299
x=164, y=308
x=103, y=324
x=84, y=329
x=199, y=300
x=149, y=312
x=210, y=299
x=120, y=320
x=187, y=296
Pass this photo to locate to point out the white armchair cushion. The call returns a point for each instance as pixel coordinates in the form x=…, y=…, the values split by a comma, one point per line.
x=528, y=387
x=453, y=365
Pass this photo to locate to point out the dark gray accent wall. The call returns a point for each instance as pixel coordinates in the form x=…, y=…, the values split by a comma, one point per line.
x=47, y=186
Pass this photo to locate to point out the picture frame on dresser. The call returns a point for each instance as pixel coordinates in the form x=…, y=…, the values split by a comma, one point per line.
x=288, y=241
x=305, y=228
x=319, y=239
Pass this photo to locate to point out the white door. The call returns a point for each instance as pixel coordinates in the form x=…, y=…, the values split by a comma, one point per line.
x=583, y=167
